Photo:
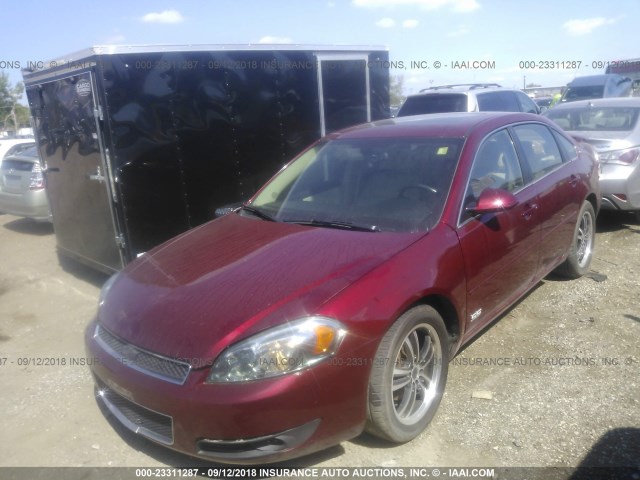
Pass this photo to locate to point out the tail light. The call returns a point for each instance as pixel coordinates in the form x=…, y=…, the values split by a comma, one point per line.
x=628, y=156
x=36, y=182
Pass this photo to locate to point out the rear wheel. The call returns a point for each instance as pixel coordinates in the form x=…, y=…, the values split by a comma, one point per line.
x=581, y=251
x=408, y=376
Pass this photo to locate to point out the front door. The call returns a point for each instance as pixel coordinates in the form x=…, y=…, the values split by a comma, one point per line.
x=77, y=175
x=501, y=250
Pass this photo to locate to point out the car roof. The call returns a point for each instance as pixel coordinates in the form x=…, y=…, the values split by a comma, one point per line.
x=450, y=125
x=15, y=141
x=465, y=87
x=476, y=88
x=596, y=79
x=599, y=102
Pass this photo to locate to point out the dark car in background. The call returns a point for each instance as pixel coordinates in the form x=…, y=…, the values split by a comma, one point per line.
x=333, y=300
x=611, y=126
x=473, y=97
x=597, y=86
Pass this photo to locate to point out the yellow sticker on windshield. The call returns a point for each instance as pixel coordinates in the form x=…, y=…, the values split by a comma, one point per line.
x=443, y=150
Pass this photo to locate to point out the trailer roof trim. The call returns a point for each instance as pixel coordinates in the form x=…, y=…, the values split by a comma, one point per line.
x=98, y=50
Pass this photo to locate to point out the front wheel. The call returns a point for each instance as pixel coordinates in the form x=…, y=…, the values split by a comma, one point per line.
x=581, y=251
x=408, y=376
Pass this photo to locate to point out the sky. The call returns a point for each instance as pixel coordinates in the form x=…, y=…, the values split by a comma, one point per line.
x=430, y=42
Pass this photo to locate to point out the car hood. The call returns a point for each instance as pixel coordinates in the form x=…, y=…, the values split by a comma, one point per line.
x=196, y=294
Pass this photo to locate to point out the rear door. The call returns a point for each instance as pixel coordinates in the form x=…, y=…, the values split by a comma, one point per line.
x=77, y=177
x=554, y=176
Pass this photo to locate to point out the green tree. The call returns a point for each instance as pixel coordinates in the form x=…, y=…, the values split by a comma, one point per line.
x=12, y=115
x=23, y=115
x=396, y=90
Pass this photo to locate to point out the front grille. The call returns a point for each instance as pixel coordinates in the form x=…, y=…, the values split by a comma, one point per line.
x=152, y=364
x=137, y=418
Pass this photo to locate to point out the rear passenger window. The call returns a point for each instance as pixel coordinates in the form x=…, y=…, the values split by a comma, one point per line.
x=526, y=104
x=567, y=148
x=540, y=149
x=497, y=102
x=433, y=103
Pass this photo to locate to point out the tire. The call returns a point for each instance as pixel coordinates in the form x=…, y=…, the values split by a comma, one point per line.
x=401, y=413
x=581, y=250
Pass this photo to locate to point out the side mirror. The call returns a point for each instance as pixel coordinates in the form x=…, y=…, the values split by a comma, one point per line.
x=493, y=200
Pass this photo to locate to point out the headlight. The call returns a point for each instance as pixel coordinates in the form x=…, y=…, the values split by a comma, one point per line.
x=279, y=350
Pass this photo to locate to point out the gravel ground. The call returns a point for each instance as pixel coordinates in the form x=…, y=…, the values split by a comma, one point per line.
x=554, y=382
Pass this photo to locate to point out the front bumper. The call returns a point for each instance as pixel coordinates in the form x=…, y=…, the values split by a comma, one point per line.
x=254, y=422
x=620, y=187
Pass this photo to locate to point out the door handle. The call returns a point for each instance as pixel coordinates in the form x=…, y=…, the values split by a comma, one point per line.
x=530, y=208
x=52, y=169
x=97, y=177
x=573, y=180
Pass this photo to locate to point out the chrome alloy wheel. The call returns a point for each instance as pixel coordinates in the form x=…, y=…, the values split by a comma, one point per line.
x=416, y=374
x=584, y=239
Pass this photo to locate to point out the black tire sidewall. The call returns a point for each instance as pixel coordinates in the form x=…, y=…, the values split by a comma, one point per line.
x=382, y=419
x=573, y=268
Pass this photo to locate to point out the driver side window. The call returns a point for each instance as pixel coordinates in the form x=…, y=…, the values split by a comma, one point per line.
x=495, y=166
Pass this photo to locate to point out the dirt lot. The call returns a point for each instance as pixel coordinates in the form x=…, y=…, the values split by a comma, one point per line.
x=557, y=375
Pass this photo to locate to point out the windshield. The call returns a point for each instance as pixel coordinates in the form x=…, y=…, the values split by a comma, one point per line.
x=613, y=119
x=583, y=93
x=397, y=185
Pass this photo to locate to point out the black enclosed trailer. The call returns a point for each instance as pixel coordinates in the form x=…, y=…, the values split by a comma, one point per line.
x=142, y=143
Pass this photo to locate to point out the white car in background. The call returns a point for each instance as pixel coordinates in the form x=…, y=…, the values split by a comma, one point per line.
x=612, y=127
x=12, y=146
x=22, y=191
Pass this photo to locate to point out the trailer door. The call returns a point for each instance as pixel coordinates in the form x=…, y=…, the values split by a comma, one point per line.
x=343, y=87
x=78, y=180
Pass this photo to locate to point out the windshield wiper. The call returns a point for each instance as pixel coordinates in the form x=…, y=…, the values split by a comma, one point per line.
x=257, y=213
x=334, y=224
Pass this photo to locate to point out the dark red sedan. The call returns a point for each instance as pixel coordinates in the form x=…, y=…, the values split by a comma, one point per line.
x=334, y=299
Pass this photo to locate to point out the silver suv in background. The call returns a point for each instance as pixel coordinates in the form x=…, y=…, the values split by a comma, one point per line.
x=472, y=97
